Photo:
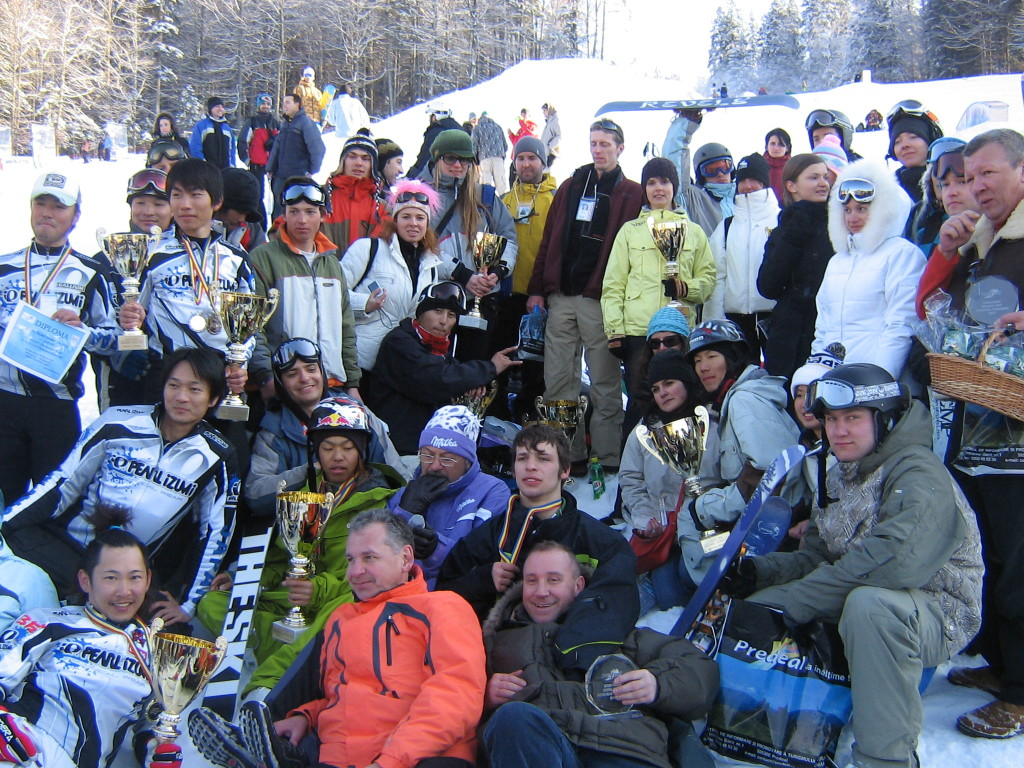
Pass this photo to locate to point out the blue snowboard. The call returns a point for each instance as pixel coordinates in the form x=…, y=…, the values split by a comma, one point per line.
x=771, y=100
x=773, y=477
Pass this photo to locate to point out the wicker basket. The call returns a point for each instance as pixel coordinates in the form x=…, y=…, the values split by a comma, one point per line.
x=974, y=382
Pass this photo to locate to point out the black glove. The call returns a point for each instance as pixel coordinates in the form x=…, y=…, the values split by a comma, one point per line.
x=740, y=578
x=617, y=346
x=16, y=746
x=672, y=287
x=422, y=492
x=424, y=541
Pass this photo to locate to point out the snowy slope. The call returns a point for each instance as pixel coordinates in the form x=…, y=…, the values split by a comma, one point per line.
x=577, y=88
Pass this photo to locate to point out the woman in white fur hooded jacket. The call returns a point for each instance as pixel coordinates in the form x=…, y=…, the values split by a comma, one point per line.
x=866, y=299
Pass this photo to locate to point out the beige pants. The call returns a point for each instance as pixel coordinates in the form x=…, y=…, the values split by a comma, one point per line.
x=493, y=171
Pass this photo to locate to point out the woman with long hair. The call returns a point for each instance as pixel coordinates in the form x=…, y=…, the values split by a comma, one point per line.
x=164, y=129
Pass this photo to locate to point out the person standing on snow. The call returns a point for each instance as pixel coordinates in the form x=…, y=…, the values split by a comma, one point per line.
x=255, y=143
x=298, y=149
x=309, y=95
x=213, y=139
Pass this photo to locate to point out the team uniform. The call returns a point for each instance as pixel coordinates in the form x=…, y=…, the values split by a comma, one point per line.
x=74, y=682
x=123, y=460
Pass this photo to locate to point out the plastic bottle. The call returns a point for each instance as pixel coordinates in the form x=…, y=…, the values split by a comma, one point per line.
x=596, y=477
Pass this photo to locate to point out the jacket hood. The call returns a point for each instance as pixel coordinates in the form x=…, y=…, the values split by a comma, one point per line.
x=416, y=585
x=320, y=240
x=504, y=609
x=353, y=185
x=756, y=206
x=759, y=382
x=889, y=209
x=913, y=428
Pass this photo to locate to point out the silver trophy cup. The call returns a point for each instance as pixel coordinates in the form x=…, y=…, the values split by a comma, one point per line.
x=243, y=315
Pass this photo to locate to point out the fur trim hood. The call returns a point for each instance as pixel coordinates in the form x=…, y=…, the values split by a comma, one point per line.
x=510, y=606
x=985, y=234
x=889, y=209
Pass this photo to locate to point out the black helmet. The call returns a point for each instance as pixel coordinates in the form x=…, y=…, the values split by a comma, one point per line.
x=446, y=294
x=715, y=332
x=860, y=385
x=830, y=118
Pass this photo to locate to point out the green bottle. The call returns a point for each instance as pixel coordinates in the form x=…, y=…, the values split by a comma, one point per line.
x=596, y=477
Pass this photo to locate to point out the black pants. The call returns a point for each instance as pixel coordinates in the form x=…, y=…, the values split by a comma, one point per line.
x=749, y=325
x=260, y=172
x=36, y=435
x=529, y=377
x=998, y=501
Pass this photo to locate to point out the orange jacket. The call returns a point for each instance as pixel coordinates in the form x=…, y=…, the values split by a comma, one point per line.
x=403, y=675
x=355, y=211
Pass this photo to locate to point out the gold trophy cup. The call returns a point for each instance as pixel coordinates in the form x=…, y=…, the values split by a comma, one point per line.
x=128, y=252
x=181, y=667
x=566, y=415
x=243, y=315
x=669, y=236
x=487, y=252
x=478, y=405
x=679, y=445
x=301, y=520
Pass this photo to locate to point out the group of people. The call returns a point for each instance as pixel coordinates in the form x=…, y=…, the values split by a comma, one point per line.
x=450, y=605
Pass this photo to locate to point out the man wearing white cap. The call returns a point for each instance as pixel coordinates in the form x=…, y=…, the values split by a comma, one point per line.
x=38, y=419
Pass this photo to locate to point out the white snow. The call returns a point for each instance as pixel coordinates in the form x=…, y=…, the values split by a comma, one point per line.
x=578, y=88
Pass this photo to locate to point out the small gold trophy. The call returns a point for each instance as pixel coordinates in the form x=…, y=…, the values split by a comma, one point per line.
x=243, y=315
x=301, y=521
x=478, y=405
x=669, y=236
x=566, y=415
x=487, y=252
x=181, y=667
x=128, y=253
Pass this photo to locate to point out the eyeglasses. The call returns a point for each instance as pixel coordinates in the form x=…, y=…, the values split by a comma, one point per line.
x=311, y=193
x=455, y=160
x=164, y=149
x=608, y=126
x=151, y=181
x=445, y=461
x=444, y=291
x=836, y=395
x=715, y=167
x=294, y=350
x=408, y=197
x=861, y=190
x=675, y=341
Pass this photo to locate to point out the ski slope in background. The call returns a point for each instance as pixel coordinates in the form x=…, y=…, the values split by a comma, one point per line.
x=577, y=88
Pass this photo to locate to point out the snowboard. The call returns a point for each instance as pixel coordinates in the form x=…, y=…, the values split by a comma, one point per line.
x=772, y=100
x=326, y=97
x=773, y=477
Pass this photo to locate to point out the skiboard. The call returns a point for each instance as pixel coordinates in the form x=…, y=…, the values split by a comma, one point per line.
x=773, y=477
x=772, y=100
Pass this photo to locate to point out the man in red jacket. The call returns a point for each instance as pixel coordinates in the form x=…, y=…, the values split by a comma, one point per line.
x=589, y=208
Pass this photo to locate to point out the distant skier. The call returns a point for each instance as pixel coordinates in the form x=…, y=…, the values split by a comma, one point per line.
x=310, y=94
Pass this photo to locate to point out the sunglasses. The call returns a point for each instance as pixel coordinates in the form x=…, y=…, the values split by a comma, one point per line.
x=162, y=150
x=151, y=181
x=409, y=197
x=675, y=341
x=608, y=126
x=715, y=167
x=860, y=190
x=445, y=461
x=294, y=350
x=456, y=160
x=311, y=193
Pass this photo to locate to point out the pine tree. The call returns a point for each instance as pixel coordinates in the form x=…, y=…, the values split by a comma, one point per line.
x=825, y=32
x=780, y=47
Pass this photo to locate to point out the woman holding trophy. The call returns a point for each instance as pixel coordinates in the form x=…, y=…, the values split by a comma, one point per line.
x=73, y=679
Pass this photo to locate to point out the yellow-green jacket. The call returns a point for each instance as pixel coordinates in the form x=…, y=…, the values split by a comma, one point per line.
x=530, y=231
x=632, y=289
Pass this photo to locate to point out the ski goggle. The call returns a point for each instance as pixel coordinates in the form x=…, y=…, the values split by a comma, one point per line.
x=164, y=150
x=831, y=395
x=946, y=154
x=413, y=197
x=910, y=108
x=311, y=193
x=608, y=126
x=151, y=181
x=821, y=118
x=293, y=350
x=859, y=190
x=444, y=291
x=715, y=167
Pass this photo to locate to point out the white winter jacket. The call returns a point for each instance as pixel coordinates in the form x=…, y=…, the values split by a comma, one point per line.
x=866, y=299
x=738, y=257
x=390, y=271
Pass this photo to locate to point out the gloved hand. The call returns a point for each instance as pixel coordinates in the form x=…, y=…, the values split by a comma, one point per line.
x=422, y=492
x=135, y=364
x=166, y=756
x=674, y=287
x=16, y=746
x=424, y=541
x=617, y=346
x=740, y=578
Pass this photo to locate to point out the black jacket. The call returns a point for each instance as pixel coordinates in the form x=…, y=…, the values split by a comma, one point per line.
x=410, y=383
x=795, y=258
x=603, y=613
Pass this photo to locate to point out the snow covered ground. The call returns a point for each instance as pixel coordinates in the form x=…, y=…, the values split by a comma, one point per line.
x=578, y=88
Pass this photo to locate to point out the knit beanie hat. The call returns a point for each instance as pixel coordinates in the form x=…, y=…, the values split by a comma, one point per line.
x=918, y=126
x=670, y=320
x=670, y=365
x=454, y=141
x=817, y=365
x=531, y=144
x=831, y=152
x=214, y=101
x=386, y=151
x=660, y=168
x=362, y=140
x=754, y=167
x=409, y=190
x=452, y=428
x=241, y=192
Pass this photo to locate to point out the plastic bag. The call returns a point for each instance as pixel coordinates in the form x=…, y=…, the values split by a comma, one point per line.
x=531, y=334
